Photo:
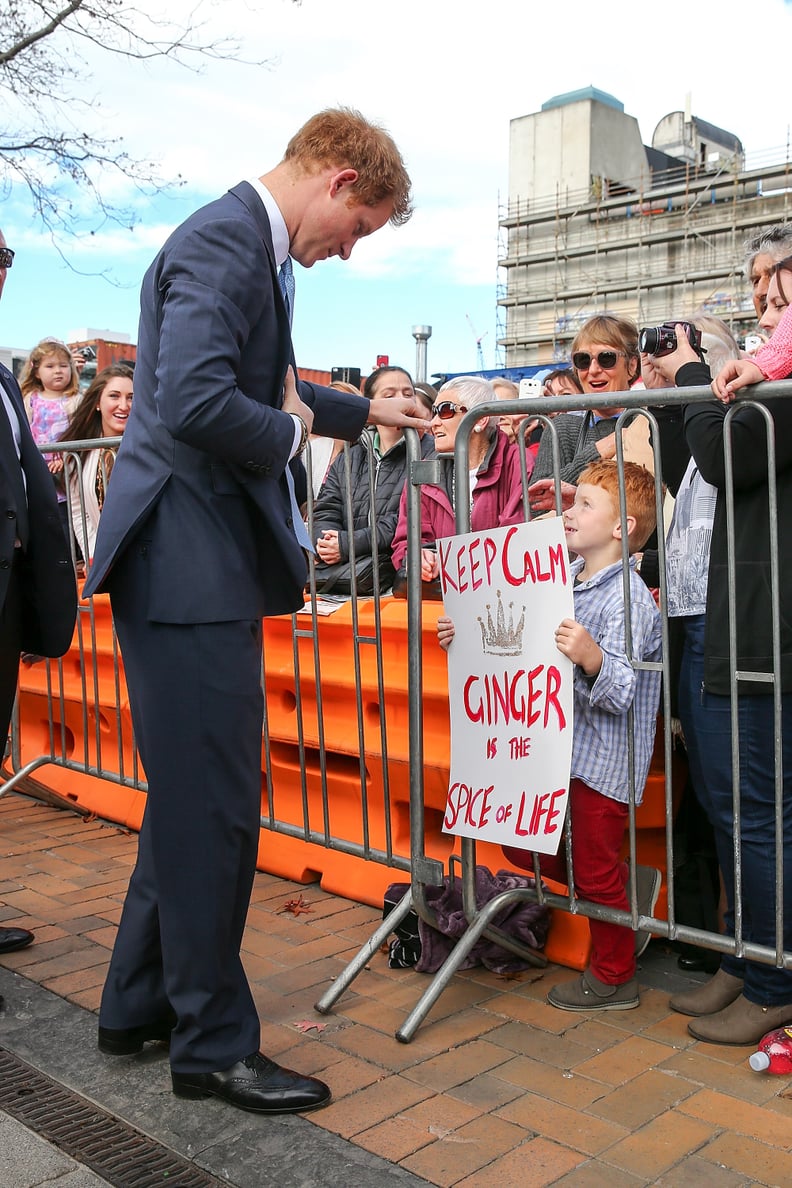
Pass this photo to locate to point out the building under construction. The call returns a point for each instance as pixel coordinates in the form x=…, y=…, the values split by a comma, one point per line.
x=598, y=221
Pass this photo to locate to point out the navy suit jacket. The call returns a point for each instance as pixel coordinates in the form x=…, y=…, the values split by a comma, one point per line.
x=49, y=587
x=200, y=470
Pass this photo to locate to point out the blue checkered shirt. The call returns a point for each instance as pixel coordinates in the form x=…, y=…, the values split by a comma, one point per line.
x=599, y=743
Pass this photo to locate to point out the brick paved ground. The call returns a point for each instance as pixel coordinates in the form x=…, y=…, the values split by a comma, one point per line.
x=497, y=1088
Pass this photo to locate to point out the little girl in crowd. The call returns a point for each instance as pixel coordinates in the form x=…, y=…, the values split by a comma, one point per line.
x=48, y=381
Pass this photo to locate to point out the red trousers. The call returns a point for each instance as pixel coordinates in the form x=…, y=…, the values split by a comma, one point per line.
x=598, y=825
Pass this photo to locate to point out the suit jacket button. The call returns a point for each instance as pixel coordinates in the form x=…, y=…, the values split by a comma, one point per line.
x=289, y=524
x=5, y=563
x=10, y=514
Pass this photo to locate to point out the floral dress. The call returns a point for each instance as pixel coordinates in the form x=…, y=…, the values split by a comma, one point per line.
x=49, y=418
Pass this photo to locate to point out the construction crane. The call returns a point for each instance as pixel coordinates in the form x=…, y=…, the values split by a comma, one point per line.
x=479, y=339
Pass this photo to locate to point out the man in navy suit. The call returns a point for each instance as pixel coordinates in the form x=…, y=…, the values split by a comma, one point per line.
x=199, y=538
x=38, y=590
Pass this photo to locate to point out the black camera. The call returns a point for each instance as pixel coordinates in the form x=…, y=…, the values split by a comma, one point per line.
x=661, y=340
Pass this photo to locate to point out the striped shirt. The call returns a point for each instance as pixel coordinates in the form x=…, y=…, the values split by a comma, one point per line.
x=599, y=744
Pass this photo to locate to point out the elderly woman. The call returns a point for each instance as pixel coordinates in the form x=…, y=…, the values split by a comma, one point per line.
x=762, y=252
x=495, y=479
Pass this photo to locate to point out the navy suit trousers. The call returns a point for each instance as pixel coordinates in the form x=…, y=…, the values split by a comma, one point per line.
x=197, y=709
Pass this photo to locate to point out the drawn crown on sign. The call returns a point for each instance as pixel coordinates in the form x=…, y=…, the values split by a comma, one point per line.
x=501, y=637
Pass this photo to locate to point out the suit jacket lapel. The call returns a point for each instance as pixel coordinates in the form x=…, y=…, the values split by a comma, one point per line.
x=250, y=199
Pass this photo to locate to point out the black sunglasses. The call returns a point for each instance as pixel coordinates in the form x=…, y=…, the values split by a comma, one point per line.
x=446, y=409
x=6, y=257
x=581, y=360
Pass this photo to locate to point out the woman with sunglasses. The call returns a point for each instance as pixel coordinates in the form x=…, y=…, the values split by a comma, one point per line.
x=605, y=359
x=495, y=479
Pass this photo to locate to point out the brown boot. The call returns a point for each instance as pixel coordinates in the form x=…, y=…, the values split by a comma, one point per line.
x=713, y=996
x=741, y=1023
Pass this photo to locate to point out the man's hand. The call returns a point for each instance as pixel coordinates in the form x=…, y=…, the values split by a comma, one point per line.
x=399, y=412
x=327, y=548
x=574, y=641
x=736, y=374
x=445, y=632
x=292, y=402
x=541, y=495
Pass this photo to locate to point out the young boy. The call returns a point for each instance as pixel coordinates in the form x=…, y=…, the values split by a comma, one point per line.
x=605, y=687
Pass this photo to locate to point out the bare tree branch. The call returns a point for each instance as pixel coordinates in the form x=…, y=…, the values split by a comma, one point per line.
x=42, y=80
x=39, y=34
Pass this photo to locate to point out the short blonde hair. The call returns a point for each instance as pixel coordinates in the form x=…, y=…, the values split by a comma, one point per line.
x=619, y=333
x=508, y=386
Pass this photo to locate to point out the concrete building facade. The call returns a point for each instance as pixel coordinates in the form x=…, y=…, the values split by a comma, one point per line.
x=596, y=220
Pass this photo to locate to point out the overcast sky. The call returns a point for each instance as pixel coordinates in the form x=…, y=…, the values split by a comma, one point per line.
x=446, y=79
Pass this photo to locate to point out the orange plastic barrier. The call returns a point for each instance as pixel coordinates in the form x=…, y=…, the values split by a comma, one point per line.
x=91, y=723
x=366, y=794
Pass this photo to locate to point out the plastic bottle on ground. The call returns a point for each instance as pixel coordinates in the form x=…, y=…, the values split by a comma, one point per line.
x=774, y=1052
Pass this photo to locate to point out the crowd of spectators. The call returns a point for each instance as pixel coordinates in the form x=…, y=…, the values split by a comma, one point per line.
x=357, y=519
x=744, y=998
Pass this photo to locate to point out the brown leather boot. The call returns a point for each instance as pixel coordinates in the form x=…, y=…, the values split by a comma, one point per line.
x=742, y=1022
x=713, y=996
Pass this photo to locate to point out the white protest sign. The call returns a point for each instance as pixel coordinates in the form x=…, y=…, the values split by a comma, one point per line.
x=510, y=689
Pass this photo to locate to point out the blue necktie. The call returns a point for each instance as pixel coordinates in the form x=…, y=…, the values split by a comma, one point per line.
x=286, y=283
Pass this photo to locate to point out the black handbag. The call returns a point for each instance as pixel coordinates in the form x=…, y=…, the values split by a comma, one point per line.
x=337, y=578
x=430, y=591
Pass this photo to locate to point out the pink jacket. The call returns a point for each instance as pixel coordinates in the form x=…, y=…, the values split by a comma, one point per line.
x=774, y=359
x=497, y=500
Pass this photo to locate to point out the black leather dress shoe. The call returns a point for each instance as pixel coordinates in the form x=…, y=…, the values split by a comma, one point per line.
x=125, y=1041
x=12, y=939
x=257, y=1084
x=695, y=960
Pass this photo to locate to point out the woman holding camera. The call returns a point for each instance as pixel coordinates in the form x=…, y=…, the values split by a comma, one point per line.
x=745, y=999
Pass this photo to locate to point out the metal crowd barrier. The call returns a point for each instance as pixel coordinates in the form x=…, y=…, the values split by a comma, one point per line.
x=345, y=753
x=330, y=782
x=480, y=917
x=72, y=728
